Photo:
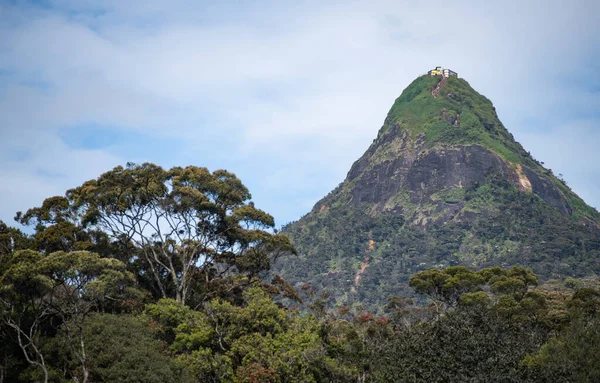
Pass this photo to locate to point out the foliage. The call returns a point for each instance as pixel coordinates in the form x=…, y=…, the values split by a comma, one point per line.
x=257, y=340
x=122, y=348
x=481, y=325
x=42, y=292
x=186, y=226
x=573, y=355
x=74, y=305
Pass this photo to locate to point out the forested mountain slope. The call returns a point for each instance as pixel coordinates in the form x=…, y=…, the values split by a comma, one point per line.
x=443, y=183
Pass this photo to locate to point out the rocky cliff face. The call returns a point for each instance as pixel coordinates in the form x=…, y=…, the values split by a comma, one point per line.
x=423, y=172
x=443, y=183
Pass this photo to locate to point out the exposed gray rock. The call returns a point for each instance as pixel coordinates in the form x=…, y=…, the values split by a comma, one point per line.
x=547, y=191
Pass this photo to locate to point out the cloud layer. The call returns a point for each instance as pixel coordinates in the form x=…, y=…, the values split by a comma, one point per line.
x=287, y=96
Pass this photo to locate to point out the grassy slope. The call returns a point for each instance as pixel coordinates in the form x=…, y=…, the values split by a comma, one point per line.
x=418, y=112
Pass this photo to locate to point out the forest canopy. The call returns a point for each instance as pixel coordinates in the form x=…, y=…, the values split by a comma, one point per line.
x=153, y=275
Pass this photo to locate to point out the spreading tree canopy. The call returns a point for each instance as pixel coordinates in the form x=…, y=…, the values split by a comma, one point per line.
x=190, y=232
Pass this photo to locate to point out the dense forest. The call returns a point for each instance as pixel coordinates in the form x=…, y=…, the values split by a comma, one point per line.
x=153, y=275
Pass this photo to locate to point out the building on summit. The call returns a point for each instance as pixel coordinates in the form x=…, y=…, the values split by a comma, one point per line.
x=444, y=72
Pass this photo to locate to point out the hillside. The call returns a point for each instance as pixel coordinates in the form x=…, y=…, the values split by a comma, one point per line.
x=444, y=183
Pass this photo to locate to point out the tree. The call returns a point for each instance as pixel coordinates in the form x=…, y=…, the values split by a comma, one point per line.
x=446, y=286
x=134, y=354
x=574, y=354
x=189, y=229
x=494, y=322
x=11, y=240
x=58, y=290
x=254, y=342
x=515, y=281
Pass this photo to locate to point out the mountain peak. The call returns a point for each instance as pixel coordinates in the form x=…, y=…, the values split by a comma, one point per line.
x=443, y=183
x=447, y=110
x=443, y=126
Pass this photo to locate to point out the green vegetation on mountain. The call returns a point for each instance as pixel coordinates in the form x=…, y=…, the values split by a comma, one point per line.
x=420, y=113
x=443, y=184
x=95, y=294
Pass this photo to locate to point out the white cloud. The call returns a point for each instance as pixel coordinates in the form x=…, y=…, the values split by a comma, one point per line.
x=41, y=166
x=276, y=89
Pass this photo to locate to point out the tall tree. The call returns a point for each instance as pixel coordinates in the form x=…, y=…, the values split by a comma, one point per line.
x=11, y=240
x=188, y=227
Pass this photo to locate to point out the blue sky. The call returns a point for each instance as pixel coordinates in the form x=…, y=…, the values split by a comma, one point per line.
x=284, y=94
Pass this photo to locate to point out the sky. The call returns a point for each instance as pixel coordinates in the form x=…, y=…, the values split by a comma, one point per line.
x=285, y=94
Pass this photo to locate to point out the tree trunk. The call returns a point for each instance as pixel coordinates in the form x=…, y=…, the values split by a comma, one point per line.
x=37, y=354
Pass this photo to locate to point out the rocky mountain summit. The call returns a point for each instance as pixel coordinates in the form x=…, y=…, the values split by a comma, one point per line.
x=443, y=183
